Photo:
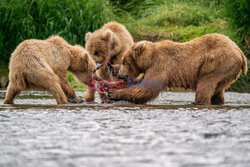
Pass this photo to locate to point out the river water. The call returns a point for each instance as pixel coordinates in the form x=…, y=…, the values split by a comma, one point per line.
x=169, y=132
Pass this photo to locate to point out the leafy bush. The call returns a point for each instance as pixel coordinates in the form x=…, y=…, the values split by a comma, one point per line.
x=71, y=19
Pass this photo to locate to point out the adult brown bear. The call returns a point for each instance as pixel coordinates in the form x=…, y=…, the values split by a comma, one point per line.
x=42, y=65
x=208, y=65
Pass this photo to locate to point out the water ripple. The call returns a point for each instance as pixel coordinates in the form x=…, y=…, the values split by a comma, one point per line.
x=167, y=132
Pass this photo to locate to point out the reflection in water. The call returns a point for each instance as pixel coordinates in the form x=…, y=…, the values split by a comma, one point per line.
x=167, y=132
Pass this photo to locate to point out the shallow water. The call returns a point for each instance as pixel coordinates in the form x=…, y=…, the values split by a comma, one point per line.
x=167, y=132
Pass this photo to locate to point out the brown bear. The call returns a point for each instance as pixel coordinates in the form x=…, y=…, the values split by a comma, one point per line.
x=42, y=65
x=208, y=65
x=107, y=45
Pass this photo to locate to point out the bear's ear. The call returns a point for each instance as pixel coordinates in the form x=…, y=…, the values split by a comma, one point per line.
x=87, y=36
x=106, y=35
x=114, y=42
x=85, y=53
x=87, y=58
x=139, y=47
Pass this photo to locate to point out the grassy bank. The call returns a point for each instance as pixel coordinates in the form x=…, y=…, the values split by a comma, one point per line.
x=178, y=20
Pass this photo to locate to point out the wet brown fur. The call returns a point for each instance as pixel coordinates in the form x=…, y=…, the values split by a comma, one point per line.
x=42, y=65
x=110, y=42
x=208, y=65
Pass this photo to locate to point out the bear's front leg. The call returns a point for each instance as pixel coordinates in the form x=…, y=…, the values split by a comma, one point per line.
x=137, y=96
x=69, y=91
x=89, y=97
x=116, y=95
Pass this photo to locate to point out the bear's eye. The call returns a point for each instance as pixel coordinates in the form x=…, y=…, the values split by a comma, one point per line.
x=96, y=53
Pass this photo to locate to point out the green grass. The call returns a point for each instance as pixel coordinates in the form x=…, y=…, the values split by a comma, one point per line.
x=75, y=85
x=71, y=19
x=177, y=20
x=135, y=8
x=237, y=12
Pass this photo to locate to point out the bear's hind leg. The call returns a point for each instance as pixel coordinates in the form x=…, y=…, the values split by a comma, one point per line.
x=218, y=98
x=47, y=80
x=57, y=92
x=204, y=91
x=11, y=93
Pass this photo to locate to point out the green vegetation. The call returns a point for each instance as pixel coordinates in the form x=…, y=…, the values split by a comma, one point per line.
x=76, y=85
x=238, y=15
x=155, y=20
x=71, y=19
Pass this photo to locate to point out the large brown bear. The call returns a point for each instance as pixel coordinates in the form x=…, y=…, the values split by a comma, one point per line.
x=107, y=45
x=42, y=65
x=208, y=65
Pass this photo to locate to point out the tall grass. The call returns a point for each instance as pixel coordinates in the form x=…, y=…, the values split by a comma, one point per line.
x=71, y=19
x=238, y=15
x=180, y=15
x=136, y=8
x=177, y=20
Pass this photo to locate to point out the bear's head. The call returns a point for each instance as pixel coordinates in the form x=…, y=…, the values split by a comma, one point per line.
x=137, y=59
x=102, y=45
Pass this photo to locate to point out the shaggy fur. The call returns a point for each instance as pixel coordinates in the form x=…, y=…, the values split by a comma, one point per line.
x=107, y=44
x=42, y=65
x=208, y=65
